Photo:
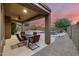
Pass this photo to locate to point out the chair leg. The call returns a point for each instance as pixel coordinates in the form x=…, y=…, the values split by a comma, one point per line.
x=32, y=44
x=28, y=44
x=37, y=45
x=33, y=48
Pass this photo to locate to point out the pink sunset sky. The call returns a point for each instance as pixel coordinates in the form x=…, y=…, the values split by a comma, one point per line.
x=61, y=10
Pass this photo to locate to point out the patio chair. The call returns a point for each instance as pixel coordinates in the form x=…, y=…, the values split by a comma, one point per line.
x=23, y=35
x=21, y=39
x=22, y=42
x=32, y=44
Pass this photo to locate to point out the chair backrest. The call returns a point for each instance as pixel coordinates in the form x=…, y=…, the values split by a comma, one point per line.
x=22, y=33
x=34, y=39
x=34, y=33
x=18, y=37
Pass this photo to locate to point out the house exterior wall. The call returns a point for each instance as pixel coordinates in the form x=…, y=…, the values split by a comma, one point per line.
x=2, y=26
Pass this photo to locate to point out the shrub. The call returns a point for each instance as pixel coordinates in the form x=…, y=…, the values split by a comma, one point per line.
x=62, y=23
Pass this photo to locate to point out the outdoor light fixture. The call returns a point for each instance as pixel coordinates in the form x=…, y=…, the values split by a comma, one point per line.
x=16, y=18
x=25, y=11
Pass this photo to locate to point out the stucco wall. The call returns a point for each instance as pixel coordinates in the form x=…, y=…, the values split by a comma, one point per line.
x=2, y=40
x=69, y=30
x=73, y=32
x=75, y=35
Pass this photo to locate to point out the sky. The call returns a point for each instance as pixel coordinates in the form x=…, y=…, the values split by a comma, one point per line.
x=62, y=10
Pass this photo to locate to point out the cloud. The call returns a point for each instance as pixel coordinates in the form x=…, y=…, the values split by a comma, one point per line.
x=63, y=10
x=69, y=11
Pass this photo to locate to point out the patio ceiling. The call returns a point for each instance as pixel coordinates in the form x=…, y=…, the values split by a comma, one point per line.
x=26, y=11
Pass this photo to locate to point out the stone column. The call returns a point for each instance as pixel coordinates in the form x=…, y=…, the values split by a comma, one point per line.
x=47, y=29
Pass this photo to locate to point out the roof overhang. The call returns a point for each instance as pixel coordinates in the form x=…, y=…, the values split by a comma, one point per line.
x=41, y=10
x=38, y=7
x=43, y=7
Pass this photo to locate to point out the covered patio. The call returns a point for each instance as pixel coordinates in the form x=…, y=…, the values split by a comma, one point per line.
x=13, y=13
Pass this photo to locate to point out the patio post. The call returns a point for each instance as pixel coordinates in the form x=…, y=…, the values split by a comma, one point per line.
x=7, y=27
x=47, y=29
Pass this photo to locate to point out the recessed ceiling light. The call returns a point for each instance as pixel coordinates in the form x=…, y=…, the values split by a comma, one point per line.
x=16, y=18
x=25, y=11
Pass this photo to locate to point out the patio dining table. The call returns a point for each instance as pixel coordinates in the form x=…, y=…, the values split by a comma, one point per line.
x=28, y=36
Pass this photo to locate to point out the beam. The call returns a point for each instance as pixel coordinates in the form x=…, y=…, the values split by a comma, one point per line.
x=43, y=7
x=34, y=18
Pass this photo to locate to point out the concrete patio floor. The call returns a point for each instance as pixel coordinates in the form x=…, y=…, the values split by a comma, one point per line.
x=63, y=46
x=24, y=50
x=60, y=46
